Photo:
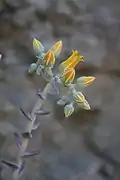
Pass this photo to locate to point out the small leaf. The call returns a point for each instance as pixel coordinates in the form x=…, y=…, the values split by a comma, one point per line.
x=37, y=46
x=32, y=68
x=63, y=101
x=32, y=153
x=68, y=110
x=10, y=164
x=18, y=138
x=35, y=126
x=84, y=81
x=56, y=87
x=40, y=56
x=22, y=168
x=39, y=70
x=42, y=112
x=27, y=115
x=40, y=94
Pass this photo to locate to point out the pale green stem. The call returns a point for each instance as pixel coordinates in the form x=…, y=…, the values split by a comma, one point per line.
x=25, y=140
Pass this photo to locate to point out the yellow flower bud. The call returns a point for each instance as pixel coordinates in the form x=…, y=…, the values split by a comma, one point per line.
x=37, y=46
x=48, y=59
x=68, y=110
x=85, y=105
x=71, y=62
x=56, y=48
x=68, y=76
x=79, y=97
x=84, y=81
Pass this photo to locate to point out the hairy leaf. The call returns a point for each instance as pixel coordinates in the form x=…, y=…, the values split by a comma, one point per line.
x=35, y=126
x=27, y=115
x=42, y=112
x=18, y=139
x=40, y=94
x=32, y=153
x=10, y=164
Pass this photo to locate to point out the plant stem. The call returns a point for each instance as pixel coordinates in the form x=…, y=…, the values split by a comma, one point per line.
x=25, y=140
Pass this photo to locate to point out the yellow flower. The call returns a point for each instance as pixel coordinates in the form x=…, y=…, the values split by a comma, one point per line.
x=48, y=59
x=68, y=76
x=56, y=48
x=71, y=62
x=37, y=46
x=79, y=97
x=84, y=81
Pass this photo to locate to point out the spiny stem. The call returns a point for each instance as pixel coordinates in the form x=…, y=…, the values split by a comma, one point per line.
x=30, y=125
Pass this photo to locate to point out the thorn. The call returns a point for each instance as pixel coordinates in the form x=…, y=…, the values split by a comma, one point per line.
x=10, y=164
x=32, y=153
x=42, y=112
x=18, y=139
x=35, y=126
x=27, y=135
x=40, y=94
x=27, y=115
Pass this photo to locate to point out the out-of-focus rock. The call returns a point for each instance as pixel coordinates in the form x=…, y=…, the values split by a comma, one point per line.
x=15, y=3
x=24, y=17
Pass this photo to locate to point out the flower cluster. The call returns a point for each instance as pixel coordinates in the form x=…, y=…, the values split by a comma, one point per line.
x=65, y=76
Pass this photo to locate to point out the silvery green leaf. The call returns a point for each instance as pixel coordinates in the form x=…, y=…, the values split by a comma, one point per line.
x=18, y=139
x=27, y=115
x=35, y=126
x=40, y=94
x=42, y=112
x=56, y=87
x=68, y=110
x=32, y=153
x=41, y=55
x=39, y=70
x=22, y=168
x=47, y=73
x=10, y=164
x=32, y=68
x=63, y=101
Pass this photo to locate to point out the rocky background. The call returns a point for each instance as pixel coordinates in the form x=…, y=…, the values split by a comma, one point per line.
x=87, y=145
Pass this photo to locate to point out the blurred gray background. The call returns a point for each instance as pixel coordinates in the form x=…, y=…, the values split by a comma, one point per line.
x=87, y=145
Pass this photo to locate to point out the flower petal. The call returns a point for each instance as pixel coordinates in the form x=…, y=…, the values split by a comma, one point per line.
x=84, y=81
x=48, y=59
x=37, y=46
x=71, y=62
x=56, y=48
x=68, y=76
